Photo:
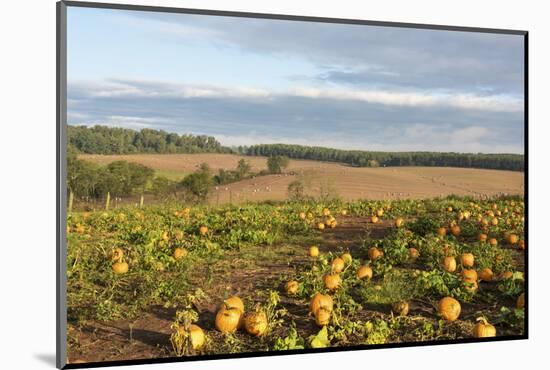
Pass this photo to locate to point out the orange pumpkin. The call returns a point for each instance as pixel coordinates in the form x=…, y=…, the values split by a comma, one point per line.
x=337, y=265
x=506, y=275
x=484, y=330
x=291, y=287
x=482, y=237
x=413, y=253
x=332, y=281
x=441, y=231
x=234, y=302
x=195, y=334
x=256, y=323
x=400, y=308
x=228, y=319
x=486, y=274
x=469, y=275
x=455, y=230
x=467, y=259
x=180, y=253
x=364, y=272
x=493, y=242
x=203, y=230
x=375, y=253
x=120, y=267
x=374, y=219
x=470, y=286
x=320, y=300
x=313, y=251
x=399, y=222
x=512, y=239
x=449, y=264
x=449, y=308
x=346, y=257
x=322, y=316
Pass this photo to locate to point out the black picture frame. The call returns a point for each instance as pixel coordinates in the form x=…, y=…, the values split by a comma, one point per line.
x=61, y=167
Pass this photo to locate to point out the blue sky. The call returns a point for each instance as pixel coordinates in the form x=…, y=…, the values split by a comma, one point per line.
x=248, y=81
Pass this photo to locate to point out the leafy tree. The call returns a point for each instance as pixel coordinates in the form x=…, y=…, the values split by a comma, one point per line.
x=275, y=164
x=163, y=187
x=243, y=168
x=198, y=184
x=126, y=178
x=115, y=140
x=226, y=176
x=120, y=178
x=82, y=177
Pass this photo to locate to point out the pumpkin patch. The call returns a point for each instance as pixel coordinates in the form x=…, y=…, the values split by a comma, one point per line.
x=248, y=276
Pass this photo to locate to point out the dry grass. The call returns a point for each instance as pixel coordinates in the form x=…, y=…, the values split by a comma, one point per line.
x=348, y=183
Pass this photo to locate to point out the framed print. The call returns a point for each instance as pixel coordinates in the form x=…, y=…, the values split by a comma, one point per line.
x=236, y=184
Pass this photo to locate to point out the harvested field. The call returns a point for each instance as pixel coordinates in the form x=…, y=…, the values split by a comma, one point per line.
x=348, y=183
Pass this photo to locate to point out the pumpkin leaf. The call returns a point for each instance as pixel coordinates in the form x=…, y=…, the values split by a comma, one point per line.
x=320, y=340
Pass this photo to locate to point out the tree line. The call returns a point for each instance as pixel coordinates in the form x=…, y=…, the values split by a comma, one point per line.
x=114, y=140
x=360, y=158
x=119, y=178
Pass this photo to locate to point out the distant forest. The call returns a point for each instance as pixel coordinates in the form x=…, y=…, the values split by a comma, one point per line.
x=111, y=140
x=114, y=140
x=360, y=158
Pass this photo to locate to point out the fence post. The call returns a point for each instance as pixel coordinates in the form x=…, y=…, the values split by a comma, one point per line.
x=141, y=201
x=71, y=197
x=108, y=201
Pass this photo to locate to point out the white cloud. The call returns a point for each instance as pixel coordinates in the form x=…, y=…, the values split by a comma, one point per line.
x=419, y=137
x=495, y=103
x=77, y=116
x=132, y=122
x=416, y=98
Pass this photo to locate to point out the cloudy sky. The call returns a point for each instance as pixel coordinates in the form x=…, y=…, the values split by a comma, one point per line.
x=248, y=81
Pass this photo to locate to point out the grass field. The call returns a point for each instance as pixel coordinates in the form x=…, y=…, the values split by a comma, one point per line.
x=348, y=183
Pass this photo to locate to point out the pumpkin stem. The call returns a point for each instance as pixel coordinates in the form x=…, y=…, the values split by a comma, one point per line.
x=482, y=319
